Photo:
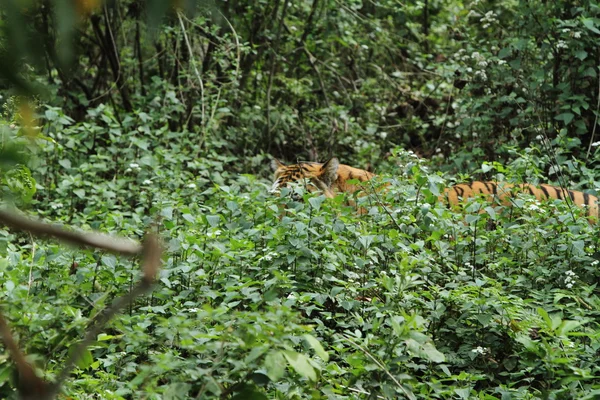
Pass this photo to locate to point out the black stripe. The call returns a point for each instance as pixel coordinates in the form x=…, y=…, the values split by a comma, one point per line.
x=530, y=190
x=571, y=195
x=459, y=191
x=480, y=189
x=559, y=193
x=487, y=186
x=586, y=199
x=545, y=191
x=494, y=188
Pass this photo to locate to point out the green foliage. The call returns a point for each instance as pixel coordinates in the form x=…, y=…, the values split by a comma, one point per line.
x=172, y=123
x=265, y=297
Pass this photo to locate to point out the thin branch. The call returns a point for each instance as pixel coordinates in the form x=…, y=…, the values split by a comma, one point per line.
x=589, y=150
x=30, y=280
x=91, y=239
x=237, y=46
x=274, y=51
x=193, y=59
x=30, y=385
x=152, y=251
x=380, y=365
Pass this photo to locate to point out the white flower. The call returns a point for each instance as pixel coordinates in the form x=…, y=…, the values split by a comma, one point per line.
x=214, y=234
x=577, y=35
x=483, y=64
x=475, y=54
x=469, y=69
x=501, y=62
x=566, y=30
x=128, y=170
x=562, y=45
x=134, y=166
x=595, y=144
x=569, y=285
x=147, y=182
x=56, y=205
x=595, y=262
x=479, y=350
x=193, y=310
x=485, y=26
x=569, y=272
x=192, y=185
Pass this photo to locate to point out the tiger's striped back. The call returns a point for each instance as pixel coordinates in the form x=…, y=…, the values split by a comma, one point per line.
x=332, y=177
x=505, y=191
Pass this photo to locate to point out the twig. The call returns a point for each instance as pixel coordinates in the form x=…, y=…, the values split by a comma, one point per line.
x=91, y=239
x=589, y=150
x=274, y=51
x=151, y=262
x=30, y=279
x=387, y=211
x=380, y=365
x=30, y=385
x=237, y=46
x=191, y=53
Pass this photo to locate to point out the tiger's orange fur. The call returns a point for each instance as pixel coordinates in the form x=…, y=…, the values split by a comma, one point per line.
x=331, y=177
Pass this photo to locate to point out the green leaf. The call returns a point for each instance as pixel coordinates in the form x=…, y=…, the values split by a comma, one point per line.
x=591, y=25
x=84, y=359
x=545, y=317
x=505, y=52
x=275, y=364
x=565, y=117
x=491, y=211
x=300, y=364
x=463, y=393
x=109, y=260
x=177, y=391
x=79, y=193
x=484, y=319
x=366, y=240
x=581, y=54
x=167, y=213
x=65, y=163
x=316, y=202
x=432, y=353
x=567, y=326
x=213, y=220
x=316, y=345
x=529, y=344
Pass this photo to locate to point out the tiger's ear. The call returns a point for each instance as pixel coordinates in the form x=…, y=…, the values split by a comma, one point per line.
x=275, y=164
x=329, y=171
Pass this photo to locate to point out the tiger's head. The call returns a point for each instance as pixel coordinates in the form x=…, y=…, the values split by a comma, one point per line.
x=315, y=176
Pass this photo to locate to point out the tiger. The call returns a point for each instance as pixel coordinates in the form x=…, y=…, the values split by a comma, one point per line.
x=331, y=177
